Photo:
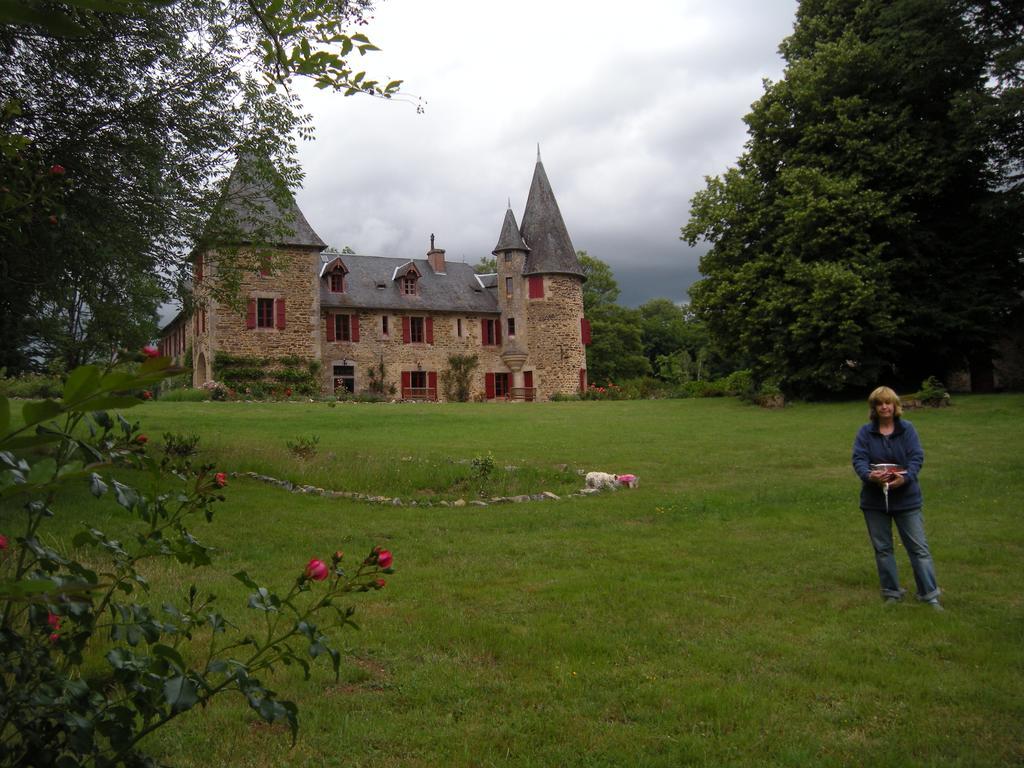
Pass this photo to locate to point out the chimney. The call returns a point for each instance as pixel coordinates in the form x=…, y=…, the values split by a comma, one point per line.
x=436, y=257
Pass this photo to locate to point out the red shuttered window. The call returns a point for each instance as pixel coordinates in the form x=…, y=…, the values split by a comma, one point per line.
x=585, y=330
x=536, y=287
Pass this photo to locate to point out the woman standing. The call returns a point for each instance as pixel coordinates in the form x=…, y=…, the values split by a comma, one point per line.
x=887, y=456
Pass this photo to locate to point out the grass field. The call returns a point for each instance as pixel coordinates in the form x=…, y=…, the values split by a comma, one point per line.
x=726, y=613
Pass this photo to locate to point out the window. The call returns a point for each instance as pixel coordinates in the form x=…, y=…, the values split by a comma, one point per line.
x=419, y=385
x=344, y=377
x=536, y=287
x=337, y=282
x=490, y=332
x=384, y=326
x=508, y=255
x=416, y=330
x=458, y=327
x=508, y=287
x=343, y=327
x=264, y=313
x=511, y=327
x=496, y=385
x=409, y=285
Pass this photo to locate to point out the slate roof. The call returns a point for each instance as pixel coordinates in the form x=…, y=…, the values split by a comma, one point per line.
x=510, y=237
x=456, y=290
x=262, y=210
x=544, y=230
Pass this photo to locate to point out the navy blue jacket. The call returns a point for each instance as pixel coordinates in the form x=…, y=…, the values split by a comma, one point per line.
x=901, y=447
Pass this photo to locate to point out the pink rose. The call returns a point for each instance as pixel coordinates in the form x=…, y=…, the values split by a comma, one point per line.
x=150, y=351
x=384, y=559
x=316, y=570
x=53, y=219
x=53, y=620
x=4, y=544
x=147, y=395
x=56, y=170
x=141, y=439
x=220, y=479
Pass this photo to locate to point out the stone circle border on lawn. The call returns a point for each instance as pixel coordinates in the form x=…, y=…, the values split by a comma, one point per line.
x=314, y=490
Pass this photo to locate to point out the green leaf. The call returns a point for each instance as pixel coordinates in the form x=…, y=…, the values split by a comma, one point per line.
x=40, y=410
x=103, y=403
x=180, y=694
x=80, y=382
x=246, y=579
x=171, y=655
x=96, y=485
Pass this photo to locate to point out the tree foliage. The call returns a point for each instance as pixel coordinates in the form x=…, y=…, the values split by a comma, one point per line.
x=144, y=110
x=871, y=229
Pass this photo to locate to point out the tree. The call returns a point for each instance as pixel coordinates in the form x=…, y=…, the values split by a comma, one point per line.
x=143, y=113
x=616, y=349
x=487, y=265
x=868, y=231
x=600, y=289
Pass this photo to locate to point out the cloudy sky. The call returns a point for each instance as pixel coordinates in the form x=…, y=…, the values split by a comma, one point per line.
x=632, y=105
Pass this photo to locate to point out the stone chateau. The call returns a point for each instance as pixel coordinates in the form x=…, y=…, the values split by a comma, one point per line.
x=355, y=313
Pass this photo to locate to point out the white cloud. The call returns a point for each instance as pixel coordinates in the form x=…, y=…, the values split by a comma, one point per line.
x=633, y=104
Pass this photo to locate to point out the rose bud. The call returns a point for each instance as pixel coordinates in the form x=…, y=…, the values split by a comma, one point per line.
x=56, y=170
x=141, y=439
x=220, y=479
x=384, y=559
x=337, y=557
x=379, y=584
x=316, y=570
x=53, y=620
x=53, y=220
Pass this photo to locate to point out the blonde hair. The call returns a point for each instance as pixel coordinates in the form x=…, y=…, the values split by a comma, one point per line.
x=884, y=395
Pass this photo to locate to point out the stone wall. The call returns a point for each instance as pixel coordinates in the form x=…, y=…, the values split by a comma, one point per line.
x=556, y=352
x=373, y=347
x=297, y=283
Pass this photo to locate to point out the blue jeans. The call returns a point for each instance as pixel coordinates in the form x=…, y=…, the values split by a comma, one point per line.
x=911, y=527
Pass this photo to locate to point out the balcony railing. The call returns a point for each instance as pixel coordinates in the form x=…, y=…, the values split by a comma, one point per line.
x=419, y=393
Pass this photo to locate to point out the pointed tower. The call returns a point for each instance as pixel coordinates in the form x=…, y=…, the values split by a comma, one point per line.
x=549, y=302
x=274, y=254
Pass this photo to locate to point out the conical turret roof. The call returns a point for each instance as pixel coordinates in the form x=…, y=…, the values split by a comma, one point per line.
x=254, y=209
x=510, y=238
x=544, y=231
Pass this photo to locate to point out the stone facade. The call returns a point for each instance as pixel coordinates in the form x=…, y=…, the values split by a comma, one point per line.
x=354, y=313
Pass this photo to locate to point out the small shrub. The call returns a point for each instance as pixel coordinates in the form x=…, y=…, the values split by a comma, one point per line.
x=304, y=447
x=178, y=446
x=482, y=467
x=933, y=392
x=31, y=385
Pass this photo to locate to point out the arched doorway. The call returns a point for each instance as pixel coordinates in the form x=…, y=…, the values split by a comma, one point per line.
x=200, y=376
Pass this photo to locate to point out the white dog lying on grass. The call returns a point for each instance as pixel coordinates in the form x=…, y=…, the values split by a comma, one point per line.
x=601, y=480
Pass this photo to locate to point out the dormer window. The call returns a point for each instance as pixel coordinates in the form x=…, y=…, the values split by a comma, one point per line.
x=409, y=285
x=407, y=276
x=334, y=271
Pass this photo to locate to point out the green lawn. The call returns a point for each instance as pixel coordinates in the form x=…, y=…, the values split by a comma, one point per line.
x=726, y=613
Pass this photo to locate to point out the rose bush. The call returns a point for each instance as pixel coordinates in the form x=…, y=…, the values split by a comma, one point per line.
x=56, y=612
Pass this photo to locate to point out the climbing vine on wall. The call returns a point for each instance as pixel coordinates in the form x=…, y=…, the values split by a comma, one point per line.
x=267, y=376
